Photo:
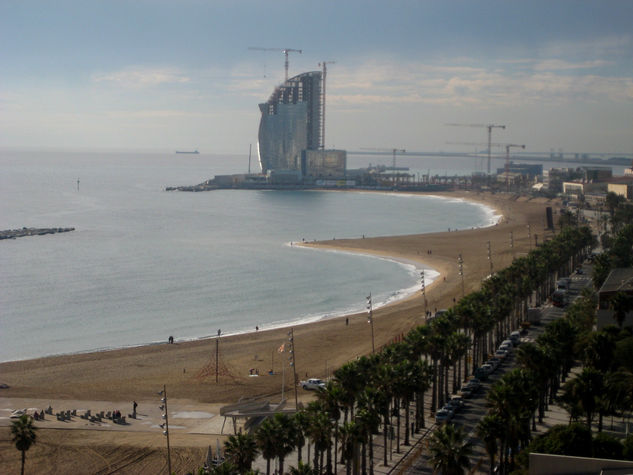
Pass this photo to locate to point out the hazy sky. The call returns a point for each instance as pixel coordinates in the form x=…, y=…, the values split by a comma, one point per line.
x=166, y=75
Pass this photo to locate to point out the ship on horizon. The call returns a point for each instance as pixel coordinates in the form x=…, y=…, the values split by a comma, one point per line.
x=191, y=152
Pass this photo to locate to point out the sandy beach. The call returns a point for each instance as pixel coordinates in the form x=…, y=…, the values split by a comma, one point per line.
x=189, y=369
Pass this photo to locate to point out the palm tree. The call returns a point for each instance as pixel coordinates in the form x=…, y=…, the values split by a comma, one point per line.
x=285, y=431
x=448, y=451
x=241, y=451
x=488, y=430
x=368, y=419
x=350, y=436
x=301, y=420
x=23, y=435
x=332, y=398
x=302, y=469
x=586, y=388
x=266, y=437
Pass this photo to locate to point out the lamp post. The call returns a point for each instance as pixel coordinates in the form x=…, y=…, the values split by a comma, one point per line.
x=292, y=358
x=370, y=320
x=423, y=288
x=165, y=425
x=529, y=237
x=217, y=356
x=460, y=262
x=490, y=258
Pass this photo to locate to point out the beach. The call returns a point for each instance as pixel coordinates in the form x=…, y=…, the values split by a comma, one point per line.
x=188, y=369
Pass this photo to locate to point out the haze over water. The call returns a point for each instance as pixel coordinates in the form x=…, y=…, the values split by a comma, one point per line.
x=144, y=264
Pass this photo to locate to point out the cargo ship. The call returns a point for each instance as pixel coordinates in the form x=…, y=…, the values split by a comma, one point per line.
x=190, y=152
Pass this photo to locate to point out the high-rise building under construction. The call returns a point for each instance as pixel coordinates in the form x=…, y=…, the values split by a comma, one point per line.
x=290, y=140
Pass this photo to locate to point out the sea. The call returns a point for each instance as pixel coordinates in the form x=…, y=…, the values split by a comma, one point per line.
x=144, y=264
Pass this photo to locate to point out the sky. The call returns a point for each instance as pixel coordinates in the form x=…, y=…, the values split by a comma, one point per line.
x=168, y=75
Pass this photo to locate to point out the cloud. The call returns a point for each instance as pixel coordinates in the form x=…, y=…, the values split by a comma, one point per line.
x=560, y=65
x=141, y=77
x=544, y=81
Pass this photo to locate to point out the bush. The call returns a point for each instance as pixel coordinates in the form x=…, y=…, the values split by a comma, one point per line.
x=627, y=448
x=606, y=446
x=574, y=440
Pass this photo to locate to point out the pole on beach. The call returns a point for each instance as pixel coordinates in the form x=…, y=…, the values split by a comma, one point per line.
x=293, y=363
x=370, y=320
x=460, y=262
x=165, y=425
x=217, y=356
x=424, y=294
x=529, y=237
x=490, y=258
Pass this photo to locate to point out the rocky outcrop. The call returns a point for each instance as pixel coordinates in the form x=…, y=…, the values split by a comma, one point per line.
x=16, y=233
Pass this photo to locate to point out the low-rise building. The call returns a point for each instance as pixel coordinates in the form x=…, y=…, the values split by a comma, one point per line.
x=618, y=280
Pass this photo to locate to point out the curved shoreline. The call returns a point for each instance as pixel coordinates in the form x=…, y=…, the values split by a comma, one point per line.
x=188, y=367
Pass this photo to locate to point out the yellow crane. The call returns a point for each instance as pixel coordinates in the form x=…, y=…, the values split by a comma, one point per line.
x=285, y=51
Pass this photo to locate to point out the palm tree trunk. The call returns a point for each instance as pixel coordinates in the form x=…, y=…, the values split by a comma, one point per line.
x=396, y=405
x=434, y=389
x=371, y=454
x=406, y=421
x=23, y=461
x=281, y=465
x=385, y=427
x=267, y=467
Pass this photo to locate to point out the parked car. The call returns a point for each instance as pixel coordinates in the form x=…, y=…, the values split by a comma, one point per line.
x=456, y=402
x=493, y=363
x=312, y=383
x=501, y=354
x=515, y=336
x=443, y=415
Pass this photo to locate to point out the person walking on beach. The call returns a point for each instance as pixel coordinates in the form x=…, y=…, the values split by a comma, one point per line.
x=134, y=406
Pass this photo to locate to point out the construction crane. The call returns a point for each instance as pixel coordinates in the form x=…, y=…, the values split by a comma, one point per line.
x=508, y=147
x=283, y=50
x=393, y=151
x=323, y=64
x=487, y=126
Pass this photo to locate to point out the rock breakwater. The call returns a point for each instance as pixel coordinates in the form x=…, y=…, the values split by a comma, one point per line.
x=16, y=233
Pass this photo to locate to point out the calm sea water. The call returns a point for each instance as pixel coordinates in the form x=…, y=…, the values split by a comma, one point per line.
x=144, y=264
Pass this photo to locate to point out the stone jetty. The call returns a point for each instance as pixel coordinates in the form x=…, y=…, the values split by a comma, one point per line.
x=16, y=233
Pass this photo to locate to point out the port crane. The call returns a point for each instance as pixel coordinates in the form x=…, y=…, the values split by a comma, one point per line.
x=285, y=51
x=487, y=126
x=393, y=151
x=323, y=64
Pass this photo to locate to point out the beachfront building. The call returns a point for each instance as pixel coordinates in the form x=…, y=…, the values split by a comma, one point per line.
x=290, y=141
x=290, y=123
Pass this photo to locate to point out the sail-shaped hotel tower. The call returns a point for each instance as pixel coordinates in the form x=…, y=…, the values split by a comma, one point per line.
x=290, y=134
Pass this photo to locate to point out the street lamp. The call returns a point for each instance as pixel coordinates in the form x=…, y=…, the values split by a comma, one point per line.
x=490, y=258
x=529, y=237
x=370, y=320
x=423, y=288
x=460, y=262
x=292, y=358
x=165, y=425
x=217, y=356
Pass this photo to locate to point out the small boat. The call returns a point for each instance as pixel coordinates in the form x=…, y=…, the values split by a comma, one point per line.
x=190, y=152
